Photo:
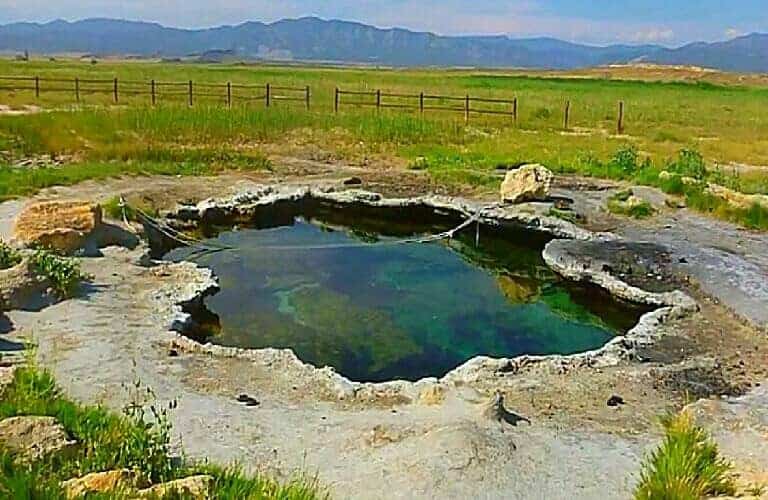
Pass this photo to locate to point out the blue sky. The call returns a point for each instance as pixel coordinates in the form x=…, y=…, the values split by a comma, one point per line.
x=668, y=22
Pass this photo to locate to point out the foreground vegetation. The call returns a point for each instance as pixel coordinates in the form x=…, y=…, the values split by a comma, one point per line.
x=138, y=441
x=714, y=126
x=687, y=465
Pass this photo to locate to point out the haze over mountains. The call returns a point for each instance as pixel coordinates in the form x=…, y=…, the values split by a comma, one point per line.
x=313, y=39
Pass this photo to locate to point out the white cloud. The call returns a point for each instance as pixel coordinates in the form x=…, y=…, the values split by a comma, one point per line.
x=733, y=33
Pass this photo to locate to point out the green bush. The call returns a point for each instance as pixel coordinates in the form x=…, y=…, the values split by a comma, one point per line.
x=64, y=273
x=689, y=163
x=687, y=465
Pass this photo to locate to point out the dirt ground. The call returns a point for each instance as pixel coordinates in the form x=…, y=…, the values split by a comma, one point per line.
x=568, y=443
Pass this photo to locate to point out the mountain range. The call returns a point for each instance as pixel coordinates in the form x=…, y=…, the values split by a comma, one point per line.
x=314, y=39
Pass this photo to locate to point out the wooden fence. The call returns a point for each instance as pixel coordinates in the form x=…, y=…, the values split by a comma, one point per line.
x=422, y=102
x=157, y=91
x=229, y=94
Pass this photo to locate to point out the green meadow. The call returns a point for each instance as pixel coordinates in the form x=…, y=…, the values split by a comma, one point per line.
x=724, y=123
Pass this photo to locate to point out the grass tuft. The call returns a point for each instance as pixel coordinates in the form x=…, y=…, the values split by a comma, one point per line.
x=687, y=465
x=138, y=440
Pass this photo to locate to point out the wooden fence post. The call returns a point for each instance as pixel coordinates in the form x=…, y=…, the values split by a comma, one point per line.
x=229, y=94
x=466, y=109
x=378, y=100
x=336, y=101
x=115, y=92
x=514, y=110
x=567, y=114
x=77, y=90
x=37, y=87
x=268, y=96
x=190, y=94
x=620, y=123
x=421, y=103
x=307, y=95
x=153, y=92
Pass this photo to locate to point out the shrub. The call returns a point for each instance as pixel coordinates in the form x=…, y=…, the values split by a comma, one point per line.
x=8, y=256
x=687, y=465
x=64, y=273
x=542, y=113
x=627, y=161
x=689, y=163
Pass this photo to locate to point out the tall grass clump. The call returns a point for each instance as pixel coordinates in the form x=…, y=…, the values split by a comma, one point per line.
x=687, y=465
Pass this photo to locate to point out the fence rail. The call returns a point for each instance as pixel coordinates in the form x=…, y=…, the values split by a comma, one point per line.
x=230, y=93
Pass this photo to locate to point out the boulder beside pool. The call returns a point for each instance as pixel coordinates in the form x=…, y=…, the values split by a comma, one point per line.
x=60, y=225
x=528, y=183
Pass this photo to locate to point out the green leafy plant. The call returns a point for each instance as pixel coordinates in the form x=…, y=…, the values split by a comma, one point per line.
x=687, y=465
x=64, y=273
x=8, y=256
x=689, y=163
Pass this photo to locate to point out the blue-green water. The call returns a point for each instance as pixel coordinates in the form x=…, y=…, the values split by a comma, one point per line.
x=379, y=312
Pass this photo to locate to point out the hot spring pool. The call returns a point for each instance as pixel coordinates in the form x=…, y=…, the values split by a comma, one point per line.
x=331, y=285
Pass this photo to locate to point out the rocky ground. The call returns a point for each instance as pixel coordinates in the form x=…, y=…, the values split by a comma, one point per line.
x=558, y=437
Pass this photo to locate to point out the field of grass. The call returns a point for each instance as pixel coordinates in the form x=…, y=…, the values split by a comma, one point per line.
x=107, y=441
x=725, y=123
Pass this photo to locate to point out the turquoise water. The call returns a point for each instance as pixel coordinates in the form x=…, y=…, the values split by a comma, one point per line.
x=386, y=311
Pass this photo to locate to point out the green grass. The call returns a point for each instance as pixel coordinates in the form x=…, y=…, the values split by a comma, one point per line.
x=107, y=441
x=16, y=182
x=680, y=127
x=687, y=465
x=640, y=210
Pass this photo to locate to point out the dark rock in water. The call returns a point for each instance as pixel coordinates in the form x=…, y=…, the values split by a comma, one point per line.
x=615, y=401
x=353, y=181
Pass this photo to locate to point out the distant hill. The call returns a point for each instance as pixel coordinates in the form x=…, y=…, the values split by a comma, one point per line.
x=313, y=39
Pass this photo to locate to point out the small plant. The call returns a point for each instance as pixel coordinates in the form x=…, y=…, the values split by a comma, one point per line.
x=566, y=215
x=542, y=113
x=420, y=163
x=113, y=209
x=627, y=161
x=689, y=163
x=64, y=273
x=687, y=465
x=8, y=256
x=626, y=203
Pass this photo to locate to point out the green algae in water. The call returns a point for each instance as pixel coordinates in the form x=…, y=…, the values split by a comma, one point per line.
x=381, y=312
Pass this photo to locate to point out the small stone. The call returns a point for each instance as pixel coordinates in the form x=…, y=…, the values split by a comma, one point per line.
x=173, y=353
x=193, y=487
x=248, y=400
x=615, y=401
x=33, y=437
